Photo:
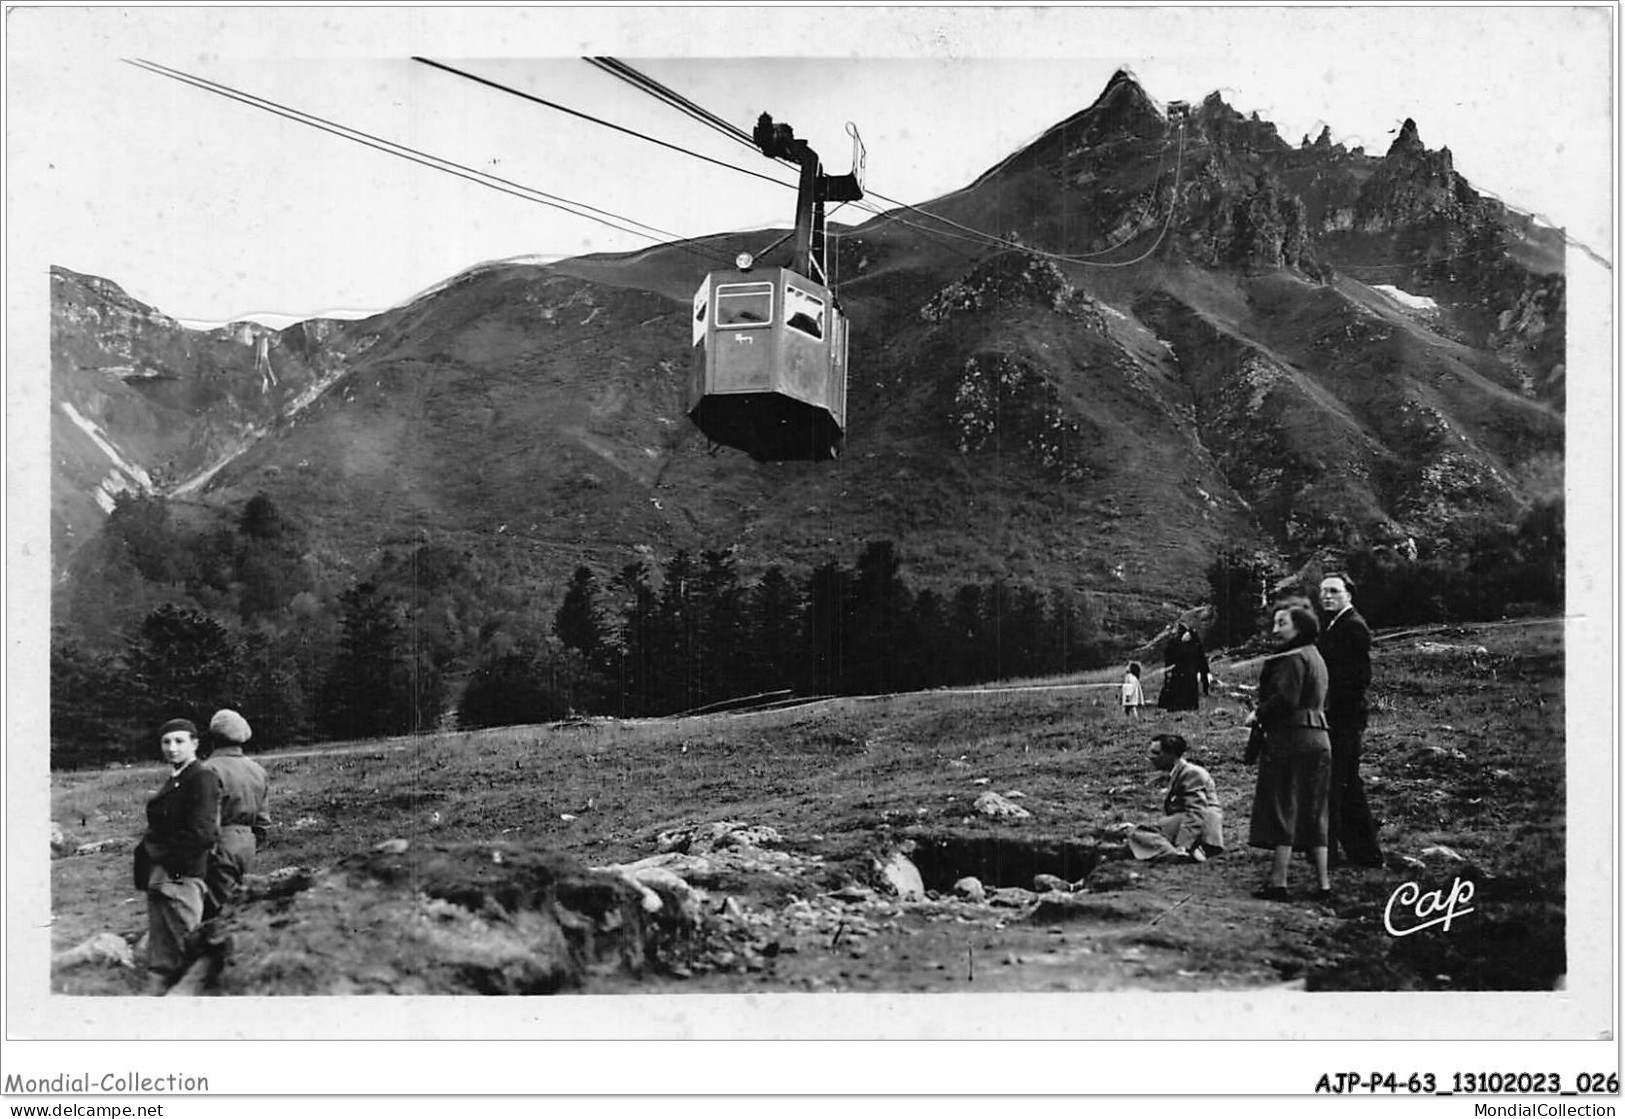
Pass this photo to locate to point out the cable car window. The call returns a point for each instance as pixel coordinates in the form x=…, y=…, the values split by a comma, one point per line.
x=804, y=311
x=744, y=304
x=701, y=299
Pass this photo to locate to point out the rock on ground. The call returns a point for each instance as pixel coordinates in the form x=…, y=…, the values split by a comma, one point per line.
x=103, y=948
x=97, y=847
x=998, y=807
x=701, y=839
x=900, y=876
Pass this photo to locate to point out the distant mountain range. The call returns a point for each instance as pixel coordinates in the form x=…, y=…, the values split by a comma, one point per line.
x=1188, y=336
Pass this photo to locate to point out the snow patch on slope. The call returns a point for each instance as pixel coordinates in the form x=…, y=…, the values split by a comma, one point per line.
x=1405, y=298
x=97, y=437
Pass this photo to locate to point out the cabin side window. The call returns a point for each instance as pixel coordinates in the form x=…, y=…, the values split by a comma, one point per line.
x=702, y=300
x=744, y=304
x=803, y=311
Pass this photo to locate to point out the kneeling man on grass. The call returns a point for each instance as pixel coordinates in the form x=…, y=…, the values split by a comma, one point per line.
x=1192, y=824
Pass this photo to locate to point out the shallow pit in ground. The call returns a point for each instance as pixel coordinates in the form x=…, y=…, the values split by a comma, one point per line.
x=945, y=856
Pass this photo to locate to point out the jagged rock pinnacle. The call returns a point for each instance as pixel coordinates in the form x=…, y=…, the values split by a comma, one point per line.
x=1407, y=142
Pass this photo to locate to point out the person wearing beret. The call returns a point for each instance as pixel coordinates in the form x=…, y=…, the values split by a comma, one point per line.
x=244, y=795
x=183, y=823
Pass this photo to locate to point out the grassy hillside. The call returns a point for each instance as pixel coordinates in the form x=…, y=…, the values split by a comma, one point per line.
x=1465, y=758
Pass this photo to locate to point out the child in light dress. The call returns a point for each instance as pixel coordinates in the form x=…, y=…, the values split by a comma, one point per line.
x=1133, y=693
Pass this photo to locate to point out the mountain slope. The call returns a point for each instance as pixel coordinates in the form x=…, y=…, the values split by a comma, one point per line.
x=1188, y=334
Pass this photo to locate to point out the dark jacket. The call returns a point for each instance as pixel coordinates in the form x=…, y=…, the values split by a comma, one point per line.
x=1345, y=644
x=1292, y=697
x=183, y=822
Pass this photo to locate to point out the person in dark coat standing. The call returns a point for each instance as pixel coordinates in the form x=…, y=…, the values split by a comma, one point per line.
x=1186, y=663
x=1295, y=769
x=1345, y=644
x=245, y=792
x=183, y=823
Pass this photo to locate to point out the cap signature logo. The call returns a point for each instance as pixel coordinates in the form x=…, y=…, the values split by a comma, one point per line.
x=1435, y=907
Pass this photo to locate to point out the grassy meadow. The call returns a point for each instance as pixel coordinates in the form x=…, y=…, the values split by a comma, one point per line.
x=1465, y=761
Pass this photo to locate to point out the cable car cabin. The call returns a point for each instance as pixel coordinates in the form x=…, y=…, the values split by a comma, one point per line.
x=769, y=375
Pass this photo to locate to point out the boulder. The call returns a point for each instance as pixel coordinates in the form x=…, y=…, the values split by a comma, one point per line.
x=1049, y=884
x=60, y=843
x=700, y=839
x=1011, y=897
x=970, y=889
x=898, y=875
x=660, y=886
x=100, y=846
x=999, y=808
x=104, y=948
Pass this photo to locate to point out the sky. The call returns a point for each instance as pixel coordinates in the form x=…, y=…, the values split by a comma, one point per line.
x=213, y=210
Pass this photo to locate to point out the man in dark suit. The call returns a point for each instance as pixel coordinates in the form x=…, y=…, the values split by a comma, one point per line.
x=1345, y=645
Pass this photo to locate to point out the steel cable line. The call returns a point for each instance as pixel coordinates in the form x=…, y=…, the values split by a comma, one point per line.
x=934, y=236
x=683, y=104
x=992, y=240
x=649, y=85
x=596, y=120
x=692, y=109
x=450, y=167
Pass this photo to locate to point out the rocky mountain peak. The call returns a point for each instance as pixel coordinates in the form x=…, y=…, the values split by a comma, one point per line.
x=1122, y=107
x=1408, y=142
x=1223, y=125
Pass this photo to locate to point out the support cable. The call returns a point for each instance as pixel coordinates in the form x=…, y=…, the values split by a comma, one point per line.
x=389, y=147
x=596, y=120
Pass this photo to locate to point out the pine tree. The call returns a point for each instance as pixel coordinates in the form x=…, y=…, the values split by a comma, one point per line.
x=578, y=624
x=722, y=629
x=261, y=519
x=1240, y=582
x=680, y=656
x=823, y=626
x=380, y=682
x=970, y=658
x=90, y=707
x=929, y=662
x=878, y=617
x=776, y=650
x=638, y=670
x=517, y=687
x=183, y=664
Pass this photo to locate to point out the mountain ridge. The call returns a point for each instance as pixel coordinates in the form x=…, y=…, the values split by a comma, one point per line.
x=1175, y=345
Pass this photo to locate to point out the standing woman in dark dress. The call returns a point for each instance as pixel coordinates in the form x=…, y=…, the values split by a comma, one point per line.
x=183, y=823
x=1186, y=663
x=1295, y=770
